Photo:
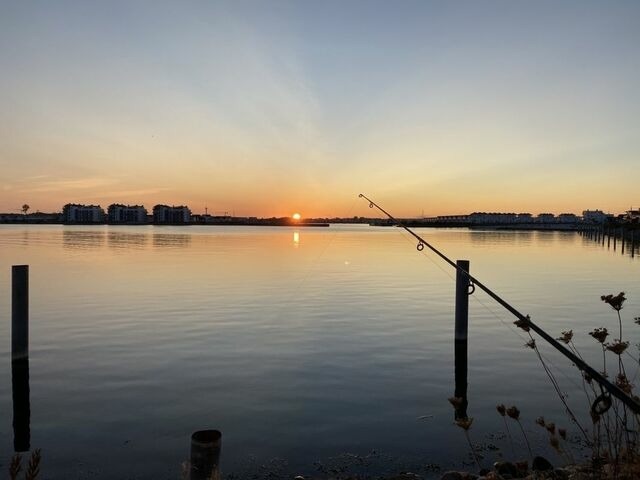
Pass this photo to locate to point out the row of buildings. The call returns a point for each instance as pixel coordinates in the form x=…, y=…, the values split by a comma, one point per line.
x=484, y=218
x=125, y=214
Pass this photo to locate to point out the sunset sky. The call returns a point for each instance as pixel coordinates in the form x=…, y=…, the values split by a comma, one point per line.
x=273, y=107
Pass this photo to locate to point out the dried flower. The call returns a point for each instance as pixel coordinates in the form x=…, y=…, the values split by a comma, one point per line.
x=615, y=301
x=600, y=334
x=587, y=378
x=531, y=344
x=551, y=428
x=33, y=468
x=566, y=336
x=540, y=421
x=617, y=347
x=513, y=412
x=563, y=433
x=623, y=383
x=502, y=410
x=637, y=320
x=595, y=417
x=523, y=323
x=464, y=423
x=553, y=440
x=15, y=466
x=456, y=402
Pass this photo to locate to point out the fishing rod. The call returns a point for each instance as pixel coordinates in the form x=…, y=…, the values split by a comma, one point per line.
x=524, y=322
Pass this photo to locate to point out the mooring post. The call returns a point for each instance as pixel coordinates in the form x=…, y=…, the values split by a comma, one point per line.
x=21, y=405
x=461, y=335
x=205, y=455
x=20, y=357
x=633, y=242
x=622, y=239
x=19, y=312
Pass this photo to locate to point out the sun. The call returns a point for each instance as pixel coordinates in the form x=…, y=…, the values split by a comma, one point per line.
x=296, y=216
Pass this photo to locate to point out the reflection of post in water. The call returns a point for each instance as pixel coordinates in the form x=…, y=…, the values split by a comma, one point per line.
x=205, y=455
x=21, y=405
x=20, y=356
x=461, y=331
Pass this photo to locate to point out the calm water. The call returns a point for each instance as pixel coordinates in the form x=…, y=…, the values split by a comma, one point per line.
x=300, y=345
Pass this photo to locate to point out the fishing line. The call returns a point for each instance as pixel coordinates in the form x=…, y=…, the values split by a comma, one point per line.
x=493, y=314
x=523, y=321
x=314, y=263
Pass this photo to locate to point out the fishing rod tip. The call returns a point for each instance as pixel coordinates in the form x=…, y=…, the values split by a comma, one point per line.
x=360, y=195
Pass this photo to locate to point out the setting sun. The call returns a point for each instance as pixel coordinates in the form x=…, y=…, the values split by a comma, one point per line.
x=296, y=216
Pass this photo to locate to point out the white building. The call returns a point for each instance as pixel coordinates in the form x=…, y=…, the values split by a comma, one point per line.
x=166, y=215
x=129, y=214
x=595, y=216
x=546, y=218
x=632, y=215
x=75, y=213
x=483, y=218
x=568, y=218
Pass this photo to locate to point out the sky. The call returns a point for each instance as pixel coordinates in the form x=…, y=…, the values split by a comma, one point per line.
x=272, y=107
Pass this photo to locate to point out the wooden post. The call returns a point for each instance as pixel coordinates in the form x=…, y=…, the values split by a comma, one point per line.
x=19, y=312
x=633, y=242
x=461, y=335
x=205, y=455
x=622, y=238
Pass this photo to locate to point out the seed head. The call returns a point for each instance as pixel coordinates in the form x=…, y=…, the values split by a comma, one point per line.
x=502, y=410
x=623, y=383
x=615, y=301
x=637, y=320
x=617, y=346
x=595, y=417
x=540, y=421
x=531, y=344
x=587, y=377
x=563, y=433
x=513, y=412
x=551, y=428
x=600, y=334
x=464, y=423
x=566, y=336
x=555, y=443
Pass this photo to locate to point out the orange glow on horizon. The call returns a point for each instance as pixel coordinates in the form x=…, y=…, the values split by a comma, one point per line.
x=296, y=216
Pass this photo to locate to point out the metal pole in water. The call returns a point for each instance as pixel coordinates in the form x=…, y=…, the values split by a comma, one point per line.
x=19, y=312
x=461, y=335
x=205, y=455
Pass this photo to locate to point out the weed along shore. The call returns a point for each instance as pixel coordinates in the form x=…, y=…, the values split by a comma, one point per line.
x=607, y=438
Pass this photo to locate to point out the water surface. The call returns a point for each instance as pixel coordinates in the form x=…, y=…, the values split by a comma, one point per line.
x=300, y=345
